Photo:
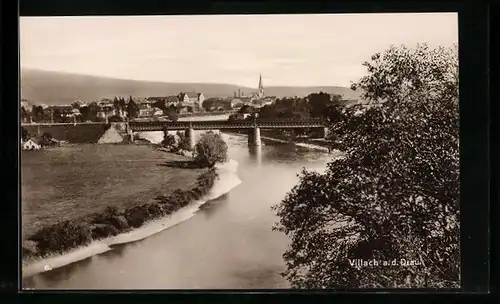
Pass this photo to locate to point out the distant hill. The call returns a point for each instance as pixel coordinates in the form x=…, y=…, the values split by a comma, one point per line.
x=54, y=88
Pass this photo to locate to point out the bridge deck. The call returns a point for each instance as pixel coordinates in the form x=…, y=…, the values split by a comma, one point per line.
x=209, y=125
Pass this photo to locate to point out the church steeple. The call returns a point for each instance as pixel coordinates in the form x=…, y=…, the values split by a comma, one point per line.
x=261, y=87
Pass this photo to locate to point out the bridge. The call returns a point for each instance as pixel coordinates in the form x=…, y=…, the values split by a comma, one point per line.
x=141, y=126
x=253, y=126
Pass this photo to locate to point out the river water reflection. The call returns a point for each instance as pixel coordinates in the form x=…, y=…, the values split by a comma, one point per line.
x=228, y=244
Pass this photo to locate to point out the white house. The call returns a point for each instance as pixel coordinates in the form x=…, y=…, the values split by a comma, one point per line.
x=237, y=103
x=191, y=98
x=30, y=145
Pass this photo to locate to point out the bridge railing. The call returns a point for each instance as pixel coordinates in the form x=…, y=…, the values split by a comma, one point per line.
x=226, y=122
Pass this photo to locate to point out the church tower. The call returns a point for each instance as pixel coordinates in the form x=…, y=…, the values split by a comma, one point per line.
x=261, y=87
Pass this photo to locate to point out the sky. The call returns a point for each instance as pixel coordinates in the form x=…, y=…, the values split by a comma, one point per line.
x=289, y=50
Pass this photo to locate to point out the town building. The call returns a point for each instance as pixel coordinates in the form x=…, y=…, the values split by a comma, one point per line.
x=260, y=94
x=61, y=111
x=30, y=145
x=260, y=91
x=106, y=110
x=192, y=99
x=259, y=103
x=145, y=110
x=171, y=100
x=26, y=105
x=236, y=103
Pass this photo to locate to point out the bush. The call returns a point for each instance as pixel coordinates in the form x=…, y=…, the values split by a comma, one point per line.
x=155, y=210
x=183, y=142
x=136, y=216
x=169, y=141
x=46, y=139
x=210, y=150
x=30, y=248
x=62, y=236
x=25, y=135
x=395, y=194
x=119, y=222
x=180, y=197
x=111, y=211
x=172, y=114
x=115, y=118
x=100, y=231
x=170, y=207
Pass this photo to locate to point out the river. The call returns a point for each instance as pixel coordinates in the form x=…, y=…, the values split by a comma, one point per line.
x=227, y=244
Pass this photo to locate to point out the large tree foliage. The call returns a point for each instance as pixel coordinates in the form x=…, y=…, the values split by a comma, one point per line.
x=25, y=135
x=171, y=112
x=38, y=113
x=210, y=150
x=318, y=103
x=395, y=194
x=24, y=115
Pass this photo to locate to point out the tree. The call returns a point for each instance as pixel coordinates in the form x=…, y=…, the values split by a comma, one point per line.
x=122, y=103
x=168, y=139
x=25, y=135
x=46, y=139
x=116, y=104
x=160, y=104
x=395, y=194
x=75, y=105
x=84, y=111
x=115, y=118
x=184, y=143
x=24, y=115
x=93, y=111
x=318, y=104
x=38, y=113
x=268, y=111
x=171, y=112
x=132, y=108
x=246, y=109
x=210, y=150
x=57, y=114
x=208, y=103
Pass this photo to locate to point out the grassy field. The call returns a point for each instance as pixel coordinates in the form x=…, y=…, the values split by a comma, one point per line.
x=73, y=181
x=74, y=134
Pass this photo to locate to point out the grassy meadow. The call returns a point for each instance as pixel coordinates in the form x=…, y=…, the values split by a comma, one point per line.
x=69, y=182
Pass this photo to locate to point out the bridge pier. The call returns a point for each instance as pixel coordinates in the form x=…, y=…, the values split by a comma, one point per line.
x=326, y=132
x=256, y=153
x=130, y=133
x=190, y=136
x=254, y=137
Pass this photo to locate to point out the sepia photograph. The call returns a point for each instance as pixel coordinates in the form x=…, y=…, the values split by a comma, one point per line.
x=240, y=152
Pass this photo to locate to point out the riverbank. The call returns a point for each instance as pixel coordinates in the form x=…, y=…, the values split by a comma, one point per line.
x=68, y=182
x=219, y=181
x=113, y=220
x=111, y=206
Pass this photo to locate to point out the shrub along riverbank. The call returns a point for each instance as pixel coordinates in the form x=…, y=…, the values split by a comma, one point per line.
x=69, y=234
